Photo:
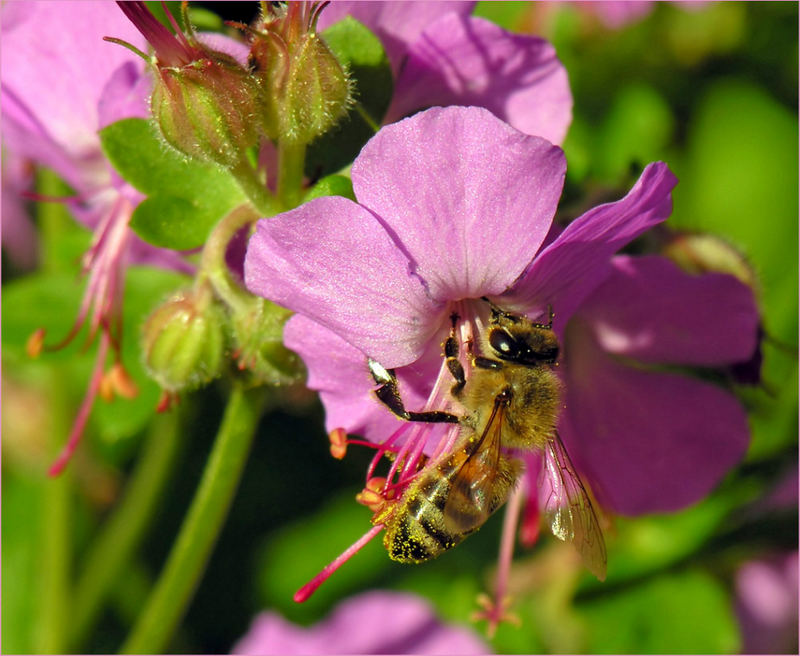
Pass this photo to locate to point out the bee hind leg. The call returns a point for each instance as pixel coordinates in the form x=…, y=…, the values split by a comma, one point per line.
x=389, y=395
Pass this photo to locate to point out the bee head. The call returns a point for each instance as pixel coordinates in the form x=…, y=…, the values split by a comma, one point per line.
x=517, y=339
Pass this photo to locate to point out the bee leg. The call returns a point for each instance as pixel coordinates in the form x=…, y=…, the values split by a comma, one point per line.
x=453, y=363
x=389, y=395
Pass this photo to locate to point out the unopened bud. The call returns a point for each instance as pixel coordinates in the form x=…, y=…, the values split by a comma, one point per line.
x=184, y=342
x=306, y=89
x=208, y=109
x=700, y=253
x=258, y=344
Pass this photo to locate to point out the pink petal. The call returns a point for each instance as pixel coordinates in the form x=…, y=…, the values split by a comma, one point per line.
x=396, y=24
x=461, y=60
x=648, y=441
x=332, y=261
x=650, y=310
x=577, y=261
x=55, y=66
x=339, y=373
x=469, y=197
x=373, y=622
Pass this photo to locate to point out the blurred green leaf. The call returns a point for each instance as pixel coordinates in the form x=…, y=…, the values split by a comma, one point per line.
x=188, y=197
x=637, y=128
x=39, y=301
x=361, y=51
x=741, y=182
x=20, y=536
x=294, y=555
x=331, y=185
x=685, y=613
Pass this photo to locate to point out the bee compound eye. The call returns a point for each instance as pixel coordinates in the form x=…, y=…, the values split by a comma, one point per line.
x=503, y=344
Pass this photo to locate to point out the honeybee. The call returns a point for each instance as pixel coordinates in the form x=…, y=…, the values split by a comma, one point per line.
x=512, y=400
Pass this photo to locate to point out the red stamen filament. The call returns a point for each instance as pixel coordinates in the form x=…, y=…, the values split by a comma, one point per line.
x=309, y=588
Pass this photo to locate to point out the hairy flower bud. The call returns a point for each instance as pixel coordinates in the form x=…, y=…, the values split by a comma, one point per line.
x=184, y=341
x=208, y=109
x=205, y=103
x=258, y=344
x=306, y=89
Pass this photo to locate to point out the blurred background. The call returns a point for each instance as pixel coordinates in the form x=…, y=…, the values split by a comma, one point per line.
x=710, y=88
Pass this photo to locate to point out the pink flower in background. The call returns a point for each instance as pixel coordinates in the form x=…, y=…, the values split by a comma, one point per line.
x=767, y=604
x=371, y=623
x=61, y=83
x=442, y=56
x=18, y=232
x=455, y=205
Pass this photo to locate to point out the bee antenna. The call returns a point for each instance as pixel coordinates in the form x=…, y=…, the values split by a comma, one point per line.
x=496, y=311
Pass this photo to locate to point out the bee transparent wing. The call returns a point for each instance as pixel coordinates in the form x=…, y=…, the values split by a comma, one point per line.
x=568, y=508
x=473, y=496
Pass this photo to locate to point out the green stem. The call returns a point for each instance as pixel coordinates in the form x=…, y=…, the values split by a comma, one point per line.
x=123, y=531
x=291, y=166
x=54, y=607
x=254, y=188
x=190, y=552
x=213, y=265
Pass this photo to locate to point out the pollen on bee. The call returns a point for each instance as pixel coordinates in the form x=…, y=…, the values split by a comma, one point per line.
x=338, y=439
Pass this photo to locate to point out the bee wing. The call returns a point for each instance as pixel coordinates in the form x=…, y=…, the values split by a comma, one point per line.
x=568, y=508
x=472, y=496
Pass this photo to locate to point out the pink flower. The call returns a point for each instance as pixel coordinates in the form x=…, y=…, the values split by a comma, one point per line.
x=442, y=56
x=454, y=206
x=372, y=623
x=61, y=83
x=766, y=592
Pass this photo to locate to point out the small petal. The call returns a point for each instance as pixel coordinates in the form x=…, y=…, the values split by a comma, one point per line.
x=566, y=271
x=469, y=197
x=396, y=24
x=332, y=261
x=648, y=441
x=462, y=60
x=650, y=310
x=374, y=622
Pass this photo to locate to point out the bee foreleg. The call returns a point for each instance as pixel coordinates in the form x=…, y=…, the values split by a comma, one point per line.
x=454, y=364
x=389, y=395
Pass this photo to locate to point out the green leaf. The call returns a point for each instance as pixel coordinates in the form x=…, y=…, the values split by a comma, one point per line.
x=361, y=51
x=188, y=196
x=331, y=185
x=48, y=301
x=687, y=613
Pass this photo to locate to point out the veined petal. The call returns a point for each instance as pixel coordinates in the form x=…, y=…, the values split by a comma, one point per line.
x=469, y=197
x=332, y=260
x=338, y=371
x=648, y=441
x=650, y=310
x=397, y=24
x=463, y=60
x=577, y=261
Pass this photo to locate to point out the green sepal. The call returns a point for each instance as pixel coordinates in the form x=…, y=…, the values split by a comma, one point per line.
x=362, y=53
x=186, y=197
